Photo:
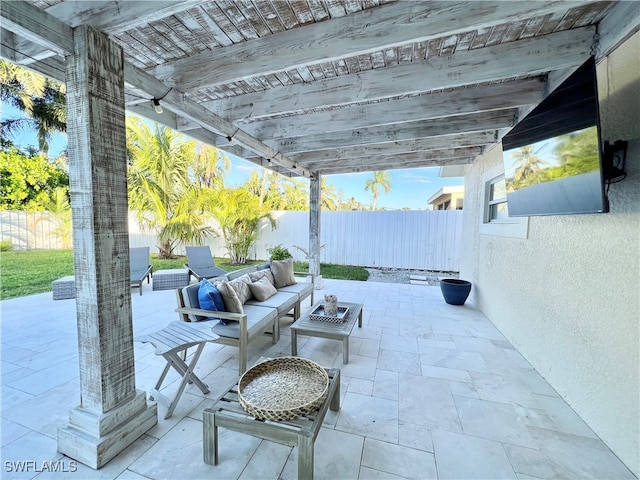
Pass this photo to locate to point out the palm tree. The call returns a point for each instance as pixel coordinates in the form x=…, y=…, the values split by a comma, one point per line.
x=296, y=194
x=19, y=86
x=276, y=191
x=41, y=99
x=59, y=210
x=328, y=195
x=238, y=214
x=380, y=179
x=210, y=166
x=166, y=200
x=528, y=164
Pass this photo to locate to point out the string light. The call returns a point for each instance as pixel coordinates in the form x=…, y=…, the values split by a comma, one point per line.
x=156, y=106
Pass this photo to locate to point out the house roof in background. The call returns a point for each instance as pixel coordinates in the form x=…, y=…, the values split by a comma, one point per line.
x=445, y=191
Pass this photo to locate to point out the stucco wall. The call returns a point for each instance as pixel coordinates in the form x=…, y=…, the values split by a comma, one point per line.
x=568, y=296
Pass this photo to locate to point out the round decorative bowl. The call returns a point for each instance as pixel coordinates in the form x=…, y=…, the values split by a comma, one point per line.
x=283, y=388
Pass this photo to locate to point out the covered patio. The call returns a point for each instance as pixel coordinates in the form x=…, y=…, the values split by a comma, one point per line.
x=431, y=391
x=310, y=89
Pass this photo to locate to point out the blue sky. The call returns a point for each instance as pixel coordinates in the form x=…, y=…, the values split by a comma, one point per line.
x=409, y=188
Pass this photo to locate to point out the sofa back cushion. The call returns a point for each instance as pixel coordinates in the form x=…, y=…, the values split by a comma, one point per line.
x=262, y=289
x=260, y=274
x=282, y=271
x=241, y=286
x=231, y=301
x=238, y=273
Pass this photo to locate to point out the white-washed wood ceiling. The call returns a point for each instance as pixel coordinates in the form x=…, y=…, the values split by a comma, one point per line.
x=333, y=86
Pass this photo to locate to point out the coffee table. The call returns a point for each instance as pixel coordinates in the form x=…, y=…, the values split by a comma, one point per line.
x=332, y=330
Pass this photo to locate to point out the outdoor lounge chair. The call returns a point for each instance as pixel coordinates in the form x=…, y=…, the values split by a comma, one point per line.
x=139, y=266
x=200, y=263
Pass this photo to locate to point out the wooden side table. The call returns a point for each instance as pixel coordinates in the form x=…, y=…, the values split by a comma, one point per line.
x=301, y=432
x=176, y=338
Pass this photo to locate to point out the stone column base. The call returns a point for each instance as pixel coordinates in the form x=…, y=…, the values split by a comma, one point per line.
x=94, y=439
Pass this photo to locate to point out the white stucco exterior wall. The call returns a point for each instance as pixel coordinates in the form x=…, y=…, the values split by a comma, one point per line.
x=568, y=295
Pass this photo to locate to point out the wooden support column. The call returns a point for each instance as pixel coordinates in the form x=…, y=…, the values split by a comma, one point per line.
x=315, y=205
x=112, y=413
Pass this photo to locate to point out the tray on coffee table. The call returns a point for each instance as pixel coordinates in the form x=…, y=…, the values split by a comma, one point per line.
x=319, y=314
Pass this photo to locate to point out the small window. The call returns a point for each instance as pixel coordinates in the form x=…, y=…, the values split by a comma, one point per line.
x=495, y=219
x=498, y=208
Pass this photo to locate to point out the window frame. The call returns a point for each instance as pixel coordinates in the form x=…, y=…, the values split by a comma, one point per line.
x=514, y=227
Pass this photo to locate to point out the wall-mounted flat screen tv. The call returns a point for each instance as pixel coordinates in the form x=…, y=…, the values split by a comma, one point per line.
x=553, y=157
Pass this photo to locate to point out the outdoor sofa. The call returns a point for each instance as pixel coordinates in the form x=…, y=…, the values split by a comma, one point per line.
x=245, y=304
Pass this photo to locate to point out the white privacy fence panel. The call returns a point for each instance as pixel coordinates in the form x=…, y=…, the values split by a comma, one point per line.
x=421, y=240
x=29, y=230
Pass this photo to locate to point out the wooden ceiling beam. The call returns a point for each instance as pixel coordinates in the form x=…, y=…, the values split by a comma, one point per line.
x=113, y=17
x=531, y=56
x=435, y=105
x=32, y=24
x=476, y=122
x=399, y=159
x=367, y=31
x=390, y=164
x=472, y=139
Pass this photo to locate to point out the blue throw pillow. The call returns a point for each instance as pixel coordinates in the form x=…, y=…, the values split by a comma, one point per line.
x=210, y=298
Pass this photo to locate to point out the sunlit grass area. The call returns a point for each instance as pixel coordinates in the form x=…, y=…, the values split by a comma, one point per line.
x=29, y=272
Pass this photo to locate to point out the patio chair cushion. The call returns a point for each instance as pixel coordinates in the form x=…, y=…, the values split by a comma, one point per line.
x=209, y=297
x=262, y=289
x=282, y=272
x=262, y=273
x=231, y=301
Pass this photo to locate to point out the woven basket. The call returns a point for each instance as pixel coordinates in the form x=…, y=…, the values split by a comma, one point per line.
x=283, y=388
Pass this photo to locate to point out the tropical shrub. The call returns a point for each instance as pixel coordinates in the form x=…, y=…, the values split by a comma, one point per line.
x=279, y=253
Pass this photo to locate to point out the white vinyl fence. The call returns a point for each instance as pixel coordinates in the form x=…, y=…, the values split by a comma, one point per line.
x=422, y=240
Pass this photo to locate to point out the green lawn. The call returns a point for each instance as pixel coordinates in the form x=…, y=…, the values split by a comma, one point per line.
x=28, y=272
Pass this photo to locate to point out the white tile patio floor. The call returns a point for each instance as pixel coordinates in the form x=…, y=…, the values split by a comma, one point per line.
x=431, y=391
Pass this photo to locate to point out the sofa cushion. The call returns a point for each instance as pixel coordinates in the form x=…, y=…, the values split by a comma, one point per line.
x=231, y=301
x=303, y=289
x=283, y=301
x=282, y=272
x=209, y=297
x=238, y=273
x=241, y=286
x=258, y=317
x=190, y=296
x=260, y=274
x=262, y=289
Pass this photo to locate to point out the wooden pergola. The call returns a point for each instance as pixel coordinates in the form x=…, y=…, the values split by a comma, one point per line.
x=301, y=87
